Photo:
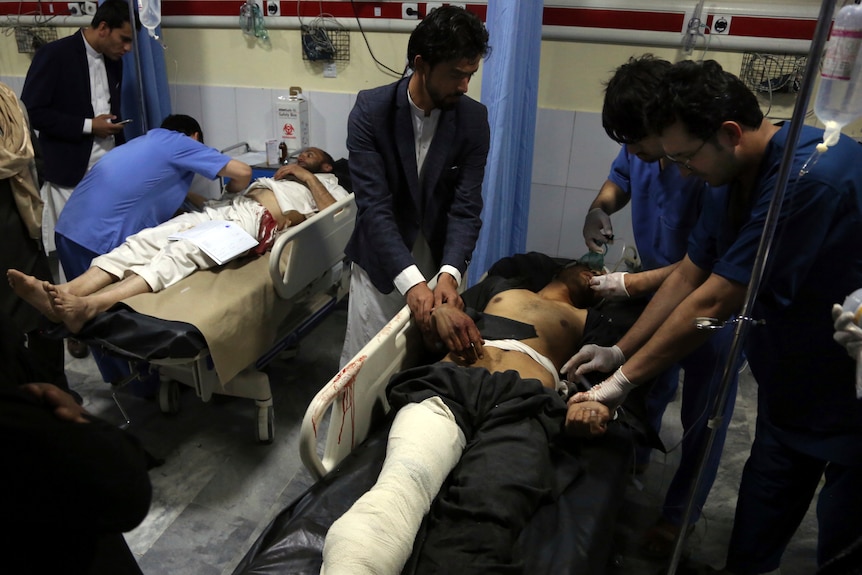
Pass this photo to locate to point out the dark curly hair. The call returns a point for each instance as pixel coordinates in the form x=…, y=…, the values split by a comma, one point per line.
x=448, y=33
x=114, y=13
x=632, y=86
x=702, y=96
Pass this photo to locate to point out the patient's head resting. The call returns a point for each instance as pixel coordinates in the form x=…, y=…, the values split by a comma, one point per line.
x=184, y=125
x=315, y=160
x=576, y=277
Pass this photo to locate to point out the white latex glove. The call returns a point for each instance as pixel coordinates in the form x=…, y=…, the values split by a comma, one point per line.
x=598, y=230
x=610, y=286
x=611, y=392
x=593, y=358
x=848, y=334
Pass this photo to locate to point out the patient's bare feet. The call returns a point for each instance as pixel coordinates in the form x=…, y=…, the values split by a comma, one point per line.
x=74, y=311
x=33, y=291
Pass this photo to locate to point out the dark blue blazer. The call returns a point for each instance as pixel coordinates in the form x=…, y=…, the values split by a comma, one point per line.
x=393, y=205
x=57, y=95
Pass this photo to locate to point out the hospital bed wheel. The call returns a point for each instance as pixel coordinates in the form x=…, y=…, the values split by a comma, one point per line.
x=265, y=424
x=169, y=396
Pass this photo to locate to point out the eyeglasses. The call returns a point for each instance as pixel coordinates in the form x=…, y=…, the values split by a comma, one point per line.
x=685, y=162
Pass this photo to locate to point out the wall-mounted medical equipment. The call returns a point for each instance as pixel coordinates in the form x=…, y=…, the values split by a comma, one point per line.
x=251, y=21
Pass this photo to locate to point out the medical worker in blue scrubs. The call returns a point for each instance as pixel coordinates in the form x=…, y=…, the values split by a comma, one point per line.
x=138, y=185
x=665, y=207
x=809, y=422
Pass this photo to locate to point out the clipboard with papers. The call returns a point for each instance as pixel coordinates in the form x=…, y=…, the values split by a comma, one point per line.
x=219, y=239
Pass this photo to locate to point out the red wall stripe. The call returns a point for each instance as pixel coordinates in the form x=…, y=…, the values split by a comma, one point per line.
x=613, y=19
x=603, y=18
x=761, y=27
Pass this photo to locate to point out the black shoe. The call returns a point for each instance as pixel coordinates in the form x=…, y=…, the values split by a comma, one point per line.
x=77, y=348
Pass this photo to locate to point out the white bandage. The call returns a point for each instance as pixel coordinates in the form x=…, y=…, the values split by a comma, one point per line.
x=376, y=534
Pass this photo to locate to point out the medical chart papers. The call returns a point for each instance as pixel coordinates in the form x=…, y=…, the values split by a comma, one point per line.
x=220, y=240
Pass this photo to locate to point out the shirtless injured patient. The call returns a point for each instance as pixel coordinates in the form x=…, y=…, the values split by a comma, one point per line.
x=150, y=261
x=473, y=442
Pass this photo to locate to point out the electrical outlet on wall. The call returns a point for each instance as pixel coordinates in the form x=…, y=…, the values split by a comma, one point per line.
x=76, y=8
x=273, y=8
x=410, y=10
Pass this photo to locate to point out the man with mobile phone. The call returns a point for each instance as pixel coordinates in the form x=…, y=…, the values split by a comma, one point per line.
x=75, y=112
x=72, y=93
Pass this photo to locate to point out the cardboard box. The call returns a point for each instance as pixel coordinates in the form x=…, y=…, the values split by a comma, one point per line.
x=291, y=119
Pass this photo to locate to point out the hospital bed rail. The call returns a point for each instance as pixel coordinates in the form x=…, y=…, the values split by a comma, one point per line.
x=307, y=267
x=309, y=275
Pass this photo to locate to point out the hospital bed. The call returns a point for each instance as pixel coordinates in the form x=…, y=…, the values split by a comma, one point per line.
x=571, y=535
x=253, y=309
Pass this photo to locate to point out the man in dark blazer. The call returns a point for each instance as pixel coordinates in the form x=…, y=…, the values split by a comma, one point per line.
x=59, y=99
x=417, y=160
x=72, y=94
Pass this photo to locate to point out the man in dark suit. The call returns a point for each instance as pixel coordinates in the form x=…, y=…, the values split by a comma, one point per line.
x=417, y=160
x=72, y=94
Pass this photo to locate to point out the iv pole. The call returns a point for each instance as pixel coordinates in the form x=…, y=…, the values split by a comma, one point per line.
x=136, y=47
x=743, y=321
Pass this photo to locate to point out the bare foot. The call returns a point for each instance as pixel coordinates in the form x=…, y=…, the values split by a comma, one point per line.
x=32, y=290
x=74, y=311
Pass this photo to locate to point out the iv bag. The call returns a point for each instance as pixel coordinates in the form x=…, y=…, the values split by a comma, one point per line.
x=150, y=14
x=839, y=98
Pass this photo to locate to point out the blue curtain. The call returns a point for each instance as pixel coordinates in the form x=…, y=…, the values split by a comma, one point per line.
x=156, y=95
x=510, y=82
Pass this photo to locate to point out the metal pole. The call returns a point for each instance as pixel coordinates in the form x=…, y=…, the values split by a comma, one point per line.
x=743, y=321
x=136, y=49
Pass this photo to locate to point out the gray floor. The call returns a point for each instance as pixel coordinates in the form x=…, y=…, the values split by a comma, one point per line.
x=218, y=488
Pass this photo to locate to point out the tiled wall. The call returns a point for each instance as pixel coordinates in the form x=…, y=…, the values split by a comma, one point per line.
x=571, y=159
x=572, y=153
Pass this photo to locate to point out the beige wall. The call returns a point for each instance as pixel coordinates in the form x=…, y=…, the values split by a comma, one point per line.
x=226, y=57
x=572, y=73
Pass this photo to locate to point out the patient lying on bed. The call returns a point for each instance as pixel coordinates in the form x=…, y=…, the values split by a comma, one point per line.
x=149, y=262
x=489, y=418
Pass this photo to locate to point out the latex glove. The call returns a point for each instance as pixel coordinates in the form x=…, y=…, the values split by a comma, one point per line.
x=611, y=392
x=848, y=334
x=593, y=358
x=610, y=286
x=598, y=230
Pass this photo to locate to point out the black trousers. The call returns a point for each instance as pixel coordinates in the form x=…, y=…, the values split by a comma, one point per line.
x=513, y=427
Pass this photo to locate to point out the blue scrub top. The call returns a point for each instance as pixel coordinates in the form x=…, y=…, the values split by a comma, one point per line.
x=665, y=207
x=138, y=185
x=806, y=379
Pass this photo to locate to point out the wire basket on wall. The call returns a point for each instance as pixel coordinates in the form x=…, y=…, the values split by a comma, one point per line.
x=768, y=74
x=31, y=38
x=324, y=39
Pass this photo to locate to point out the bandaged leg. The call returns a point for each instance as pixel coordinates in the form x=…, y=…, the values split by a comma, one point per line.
x=376, y=534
